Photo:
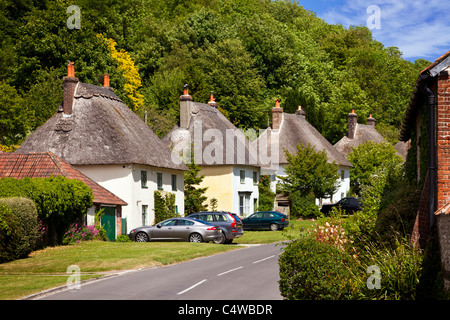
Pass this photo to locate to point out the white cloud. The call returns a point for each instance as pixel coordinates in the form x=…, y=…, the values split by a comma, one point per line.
x=417, y=28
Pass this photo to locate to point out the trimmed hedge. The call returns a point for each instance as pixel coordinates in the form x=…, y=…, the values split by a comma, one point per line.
x=312, y=270
x=18, y=228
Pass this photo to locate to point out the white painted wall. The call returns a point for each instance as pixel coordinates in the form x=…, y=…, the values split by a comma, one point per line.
x=125, y=182
x=249, y=189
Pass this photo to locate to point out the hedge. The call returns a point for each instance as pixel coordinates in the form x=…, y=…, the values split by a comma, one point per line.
x=312, y=270
x=18, y=228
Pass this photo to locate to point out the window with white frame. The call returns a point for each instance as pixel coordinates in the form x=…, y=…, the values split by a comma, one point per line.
x=144, y=214
x=242, y=176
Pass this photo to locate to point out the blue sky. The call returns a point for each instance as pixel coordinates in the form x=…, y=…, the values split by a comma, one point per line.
x=420, y=29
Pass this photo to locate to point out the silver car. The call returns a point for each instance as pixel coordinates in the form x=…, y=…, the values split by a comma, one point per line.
x=176, y=229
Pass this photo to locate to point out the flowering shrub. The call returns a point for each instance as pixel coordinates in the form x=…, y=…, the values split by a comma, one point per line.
x=77, y=233
x=334, y=234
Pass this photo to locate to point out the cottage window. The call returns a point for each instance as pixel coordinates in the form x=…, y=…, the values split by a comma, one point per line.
x=143, y=179
x=144, y=214
x=244, y=203
x=255, y=177
x=174, y=182
x=159, y=180
x=342, y=175
x=242, y=176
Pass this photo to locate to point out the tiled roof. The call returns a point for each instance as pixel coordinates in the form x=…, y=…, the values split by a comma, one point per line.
x=42, y=165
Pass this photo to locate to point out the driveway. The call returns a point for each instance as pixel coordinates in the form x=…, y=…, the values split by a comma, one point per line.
x=250, y=273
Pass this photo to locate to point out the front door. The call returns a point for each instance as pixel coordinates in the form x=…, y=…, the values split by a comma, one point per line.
x=109, y=222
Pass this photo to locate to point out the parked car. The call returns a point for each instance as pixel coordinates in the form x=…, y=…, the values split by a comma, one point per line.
x=177, y=229
x=229, y=223
x=348, y=204
x=272, y=220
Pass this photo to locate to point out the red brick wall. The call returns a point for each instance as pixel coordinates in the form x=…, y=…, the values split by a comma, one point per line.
x=443, y=169
x=443, y=140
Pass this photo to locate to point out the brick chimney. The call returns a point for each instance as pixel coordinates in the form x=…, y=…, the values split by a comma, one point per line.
x=371, y=121
x=185, y=108
x=300, y=112
x=277, y=115
x=352, y=121
x=212, y=102
x=69, y=85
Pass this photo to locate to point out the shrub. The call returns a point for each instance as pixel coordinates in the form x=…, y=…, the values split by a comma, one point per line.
x=303, y=206
x=19, y=228
x=123, y=238
x=164, y=206
x=77, y=233
x=400, y=270
x=59, y=201
x=313, y=270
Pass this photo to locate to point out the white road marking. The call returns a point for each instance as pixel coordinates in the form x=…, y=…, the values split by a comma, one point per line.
x=191, y=287
x=221, y=274
x=263, y=259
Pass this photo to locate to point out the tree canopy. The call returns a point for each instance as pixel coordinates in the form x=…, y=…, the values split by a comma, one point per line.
x=247, y=51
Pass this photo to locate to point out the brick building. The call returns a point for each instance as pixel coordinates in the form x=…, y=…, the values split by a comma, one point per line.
x=427, y=124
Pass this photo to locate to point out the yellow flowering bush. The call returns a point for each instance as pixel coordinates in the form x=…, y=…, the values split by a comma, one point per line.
x=129, y=71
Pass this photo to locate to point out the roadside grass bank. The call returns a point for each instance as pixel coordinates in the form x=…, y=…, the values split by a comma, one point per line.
x=47, y=268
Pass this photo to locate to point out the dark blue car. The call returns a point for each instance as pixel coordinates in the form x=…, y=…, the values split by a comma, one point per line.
x=271, y=220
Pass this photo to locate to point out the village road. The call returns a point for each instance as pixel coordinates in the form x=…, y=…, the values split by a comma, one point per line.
x=250, y=273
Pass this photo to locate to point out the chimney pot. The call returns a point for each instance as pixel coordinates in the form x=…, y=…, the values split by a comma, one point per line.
x=300, y=112
x=352, y=122
x=106, y=80
x=71, y=69
x=185, y=95
x=277, y=115
x=212, y=102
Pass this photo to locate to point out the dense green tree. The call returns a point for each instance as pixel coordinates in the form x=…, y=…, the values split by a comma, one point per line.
x=247, y=51
x=194, y=198
x=308, y=171
x=368, y=159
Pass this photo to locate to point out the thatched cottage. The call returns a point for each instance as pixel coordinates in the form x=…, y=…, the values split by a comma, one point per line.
x=95, y=132
x=287, y=131
x=221, y=150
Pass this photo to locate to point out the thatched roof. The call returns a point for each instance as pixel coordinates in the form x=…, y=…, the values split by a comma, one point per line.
x=207, y=120
x=44, y=165
x=363, y=134
x=295, y=129
x=101, y=130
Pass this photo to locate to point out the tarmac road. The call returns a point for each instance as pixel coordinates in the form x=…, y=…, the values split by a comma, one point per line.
x=251, y=273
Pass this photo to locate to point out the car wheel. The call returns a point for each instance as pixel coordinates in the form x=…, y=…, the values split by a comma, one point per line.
x=195, y=237
x=141, y=237
x=273, y=227
x=221, y=239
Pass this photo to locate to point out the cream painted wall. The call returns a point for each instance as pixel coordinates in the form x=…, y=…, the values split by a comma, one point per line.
x=225, y=185
x=219, y=181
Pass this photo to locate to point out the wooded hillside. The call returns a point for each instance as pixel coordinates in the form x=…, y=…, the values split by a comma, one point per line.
x=248, y=52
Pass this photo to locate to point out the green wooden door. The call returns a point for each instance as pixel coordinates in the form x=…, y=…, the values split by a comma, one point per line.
x=109, y=222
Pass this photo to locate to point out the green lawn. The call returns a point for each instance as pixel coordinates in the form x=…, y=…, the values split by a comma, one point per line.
x=47, y=268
